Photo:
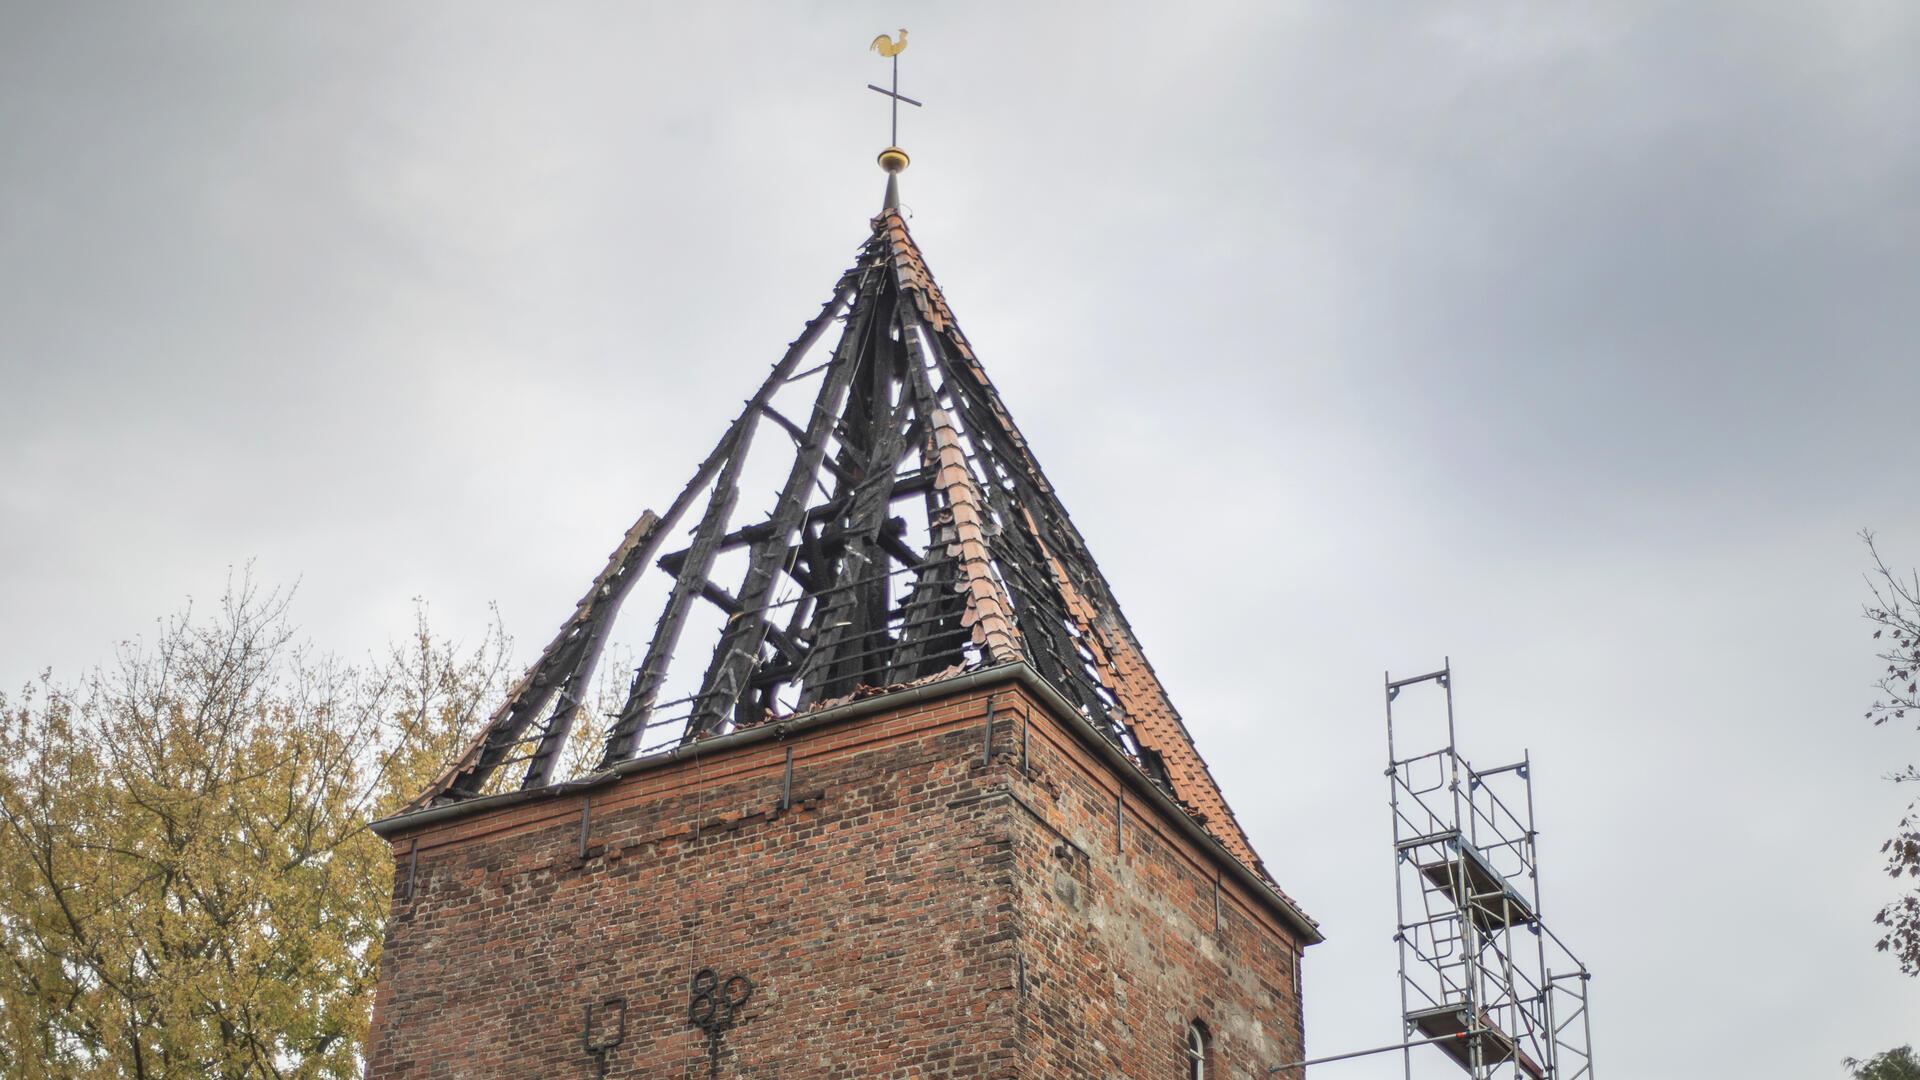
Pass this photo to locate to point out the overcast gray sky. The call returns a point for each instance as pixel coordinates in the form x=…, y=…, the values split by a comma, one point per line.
x=1573, y=340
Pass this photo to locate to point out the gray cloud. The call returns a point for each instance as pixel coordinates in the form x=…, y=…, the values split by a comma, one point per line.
x=1574, y=343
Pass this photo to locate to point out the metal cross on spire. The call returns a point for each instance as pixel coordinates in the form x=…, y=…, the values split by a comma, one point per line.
x=893, y=159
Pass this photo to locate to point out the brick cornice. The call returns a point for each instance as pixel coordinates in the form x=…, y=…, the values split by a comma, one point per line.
x=1069, y=719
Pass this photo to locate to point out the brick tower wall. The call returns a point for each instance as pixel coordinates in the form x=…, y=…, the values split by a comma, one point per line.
x=914, y=910
x=1131, y=932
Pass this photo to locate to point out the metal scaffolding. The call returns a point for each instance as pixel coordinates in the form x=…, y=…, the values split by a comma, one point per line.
x=1482, y=978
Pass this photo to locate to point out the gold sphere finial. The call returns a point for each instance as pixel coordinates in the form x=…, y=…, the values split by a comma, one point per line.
x=893, y=159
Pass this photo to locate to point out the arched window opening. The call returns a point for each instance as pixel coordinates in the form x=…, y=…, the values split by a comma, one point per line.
x=1196, y=1051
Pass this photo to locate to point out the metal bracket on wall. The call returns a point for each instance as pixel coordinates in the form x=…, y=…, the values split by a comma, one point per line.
x=598, y=1050
x=1216, y=900
x=986, y=752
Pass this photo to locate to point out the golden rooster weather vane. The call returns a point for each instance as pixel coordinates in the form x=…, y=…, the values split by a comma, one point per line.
x=893, y=159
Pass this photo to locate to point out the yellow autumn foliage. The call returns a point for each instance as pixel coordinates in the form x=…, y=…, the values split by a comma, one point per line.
x=188, y=885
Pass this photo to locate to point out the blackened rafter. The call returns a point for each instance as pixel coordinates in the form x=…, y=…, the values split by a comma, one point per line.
x=746, y=632
x=570, y=658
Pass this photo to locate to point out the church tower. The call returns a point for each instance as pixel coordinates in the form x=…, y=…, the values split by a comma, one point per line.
x=894, y=792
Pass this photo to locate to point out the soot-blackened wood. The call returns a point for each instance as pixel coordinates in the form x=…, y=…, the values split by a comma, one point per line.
x=778, y=638
x=687, y=584
x=934, y=610
x=625, y=732
x=850, y=624
x=1040, y=609
x=794, y=430
x=610, y=595
x=565, y=663
x=740, y=643
x=912, y=484
x=571, y=652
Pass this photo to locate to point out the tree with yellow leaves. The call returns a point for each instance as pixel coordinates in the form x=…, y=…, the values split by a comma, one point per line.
x=188, y=887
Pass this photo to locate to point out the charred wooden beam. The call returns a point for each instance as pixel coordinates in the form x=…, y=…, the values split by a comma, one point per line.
x=725, y=601
x=739, y=647
x=855, y=616
x=935, y=607
x=794, y=430
x=608, y=593
x=916, y=483
x=891, y=541
x=732, y=450
x=687, y=583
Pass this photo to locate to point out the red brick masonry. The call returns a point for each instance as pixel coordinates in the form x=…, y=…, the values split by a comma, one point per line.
x=912, y=910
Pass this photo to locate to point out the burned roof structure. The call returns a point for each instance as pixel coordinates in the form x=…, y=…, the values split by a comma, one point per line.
x=911, y=536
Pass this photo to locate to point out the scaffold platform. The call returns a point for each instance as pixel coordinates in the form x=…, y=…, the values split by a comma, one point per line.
x=1494, y=1047
x=1470, y=881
